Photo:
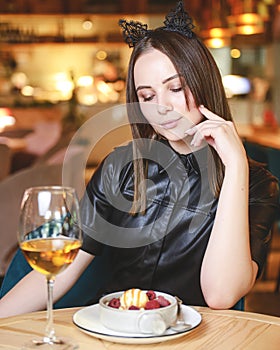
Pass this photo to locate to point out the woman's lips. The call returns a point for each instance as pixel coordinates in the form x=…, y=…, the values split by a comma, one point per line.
x=170, y=124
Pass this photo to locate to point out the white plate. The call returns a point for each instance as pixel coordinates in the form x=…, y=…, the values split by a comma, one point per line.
x=87, y=319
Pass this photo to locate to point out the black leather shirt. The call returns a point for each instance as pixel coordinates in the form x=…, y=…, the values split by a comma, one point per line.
x=164, y=248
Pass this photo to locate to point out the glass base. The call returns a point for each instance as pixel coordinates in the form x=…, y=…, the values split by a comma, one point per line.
x=49, y=344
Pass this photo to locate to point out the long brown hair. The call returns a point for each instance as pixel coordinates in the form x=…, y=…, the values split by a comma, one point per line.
x=200, y=74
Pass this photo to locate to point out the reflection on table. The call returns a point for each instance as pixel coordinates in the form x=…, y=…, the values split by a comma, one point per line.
x=224, y=330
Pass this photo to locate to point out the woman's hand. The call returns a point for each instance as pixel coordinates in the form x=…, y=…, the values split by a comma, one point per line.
x=220, y=134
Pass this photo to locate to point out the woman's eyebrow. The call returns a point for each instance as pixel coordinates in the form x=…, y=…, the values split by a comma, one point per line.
x=170, y=78
x=163, y=82
x=143, y=87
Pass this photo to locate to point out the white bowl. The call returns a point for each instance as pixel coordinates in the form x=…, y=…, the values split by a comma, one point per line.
x=154, y=321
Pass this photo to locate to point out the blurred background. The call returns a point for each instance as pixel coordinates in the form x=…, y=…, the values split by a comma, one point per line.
x=51, y=49
x=64, y=61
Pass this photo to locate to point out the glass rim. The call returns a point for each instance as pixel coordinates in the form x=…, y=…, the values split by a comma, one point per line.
x=49, y=188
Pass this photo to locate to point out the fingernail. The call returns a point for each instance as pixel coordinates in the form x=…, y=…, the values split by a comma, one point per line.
x=201, y=106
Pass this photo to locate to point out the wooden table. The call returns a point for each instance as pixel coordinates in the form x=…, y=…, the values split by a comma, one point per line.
x=219, y=330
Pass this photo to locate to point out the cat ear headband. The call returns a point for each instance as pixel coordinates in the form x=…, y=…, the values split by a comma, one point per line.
x=177, y=20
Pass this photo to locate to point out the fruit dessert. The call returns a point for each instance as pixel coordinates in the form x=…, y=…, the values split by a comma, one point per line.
x=137, y=299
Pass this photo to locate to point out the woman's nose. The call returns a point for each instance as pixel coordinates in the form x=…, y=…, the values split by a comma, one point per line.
x=164, y=108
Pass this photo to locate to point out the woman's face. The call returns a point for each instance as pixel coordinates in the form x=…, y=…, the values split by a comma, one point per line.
x=162, y=98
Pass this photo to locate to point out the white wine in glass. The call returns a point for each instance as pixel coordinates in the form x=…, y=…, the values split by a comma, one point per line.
x=50, y=237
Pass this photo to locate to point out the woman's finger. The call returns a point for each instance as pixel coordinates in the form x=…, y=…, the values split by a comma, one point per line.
x=208, y=114
x=200, y=136
x=205, y=124
x=213, y=130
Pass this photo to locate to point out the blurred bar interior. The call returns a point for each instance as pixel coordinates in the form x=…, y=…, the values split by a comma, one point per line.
x=49, y=49
x=62, y=61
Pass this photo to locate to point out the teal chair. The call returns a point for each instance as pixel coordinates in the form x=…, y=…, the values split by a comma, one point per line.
x=84, y=290
x=256, y=152
x=240, y=305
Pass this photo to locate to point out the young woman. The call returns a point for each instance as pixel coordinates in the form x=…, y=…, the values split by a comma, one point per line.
x=180, y=209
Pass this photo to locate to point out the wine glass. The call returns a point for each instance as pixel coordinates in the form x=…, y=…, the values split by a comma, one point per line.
x=50, y=237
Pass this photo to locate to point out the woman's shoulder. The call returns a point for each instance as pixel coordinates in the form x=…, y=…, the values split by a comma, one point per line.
x=114, y=163
x=118, y=158
x=262, y=182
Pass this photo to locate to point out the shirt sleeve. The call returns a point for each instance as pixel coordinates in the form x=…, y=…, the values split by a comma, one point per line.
x=263, y=209
x=92, y=205
x=104, y=210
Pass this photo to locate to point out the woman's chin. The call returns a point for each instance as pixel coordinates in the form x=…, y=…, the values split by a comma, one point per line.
x=176, y=136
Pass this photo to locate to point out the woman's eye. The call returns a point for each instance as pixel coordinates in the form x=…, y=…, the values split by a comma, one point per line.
x=178, y=89
x=147, y=98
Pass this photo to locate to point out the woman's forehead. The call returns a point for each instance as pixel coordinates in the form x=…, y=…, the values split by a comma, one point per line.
x=153, y=65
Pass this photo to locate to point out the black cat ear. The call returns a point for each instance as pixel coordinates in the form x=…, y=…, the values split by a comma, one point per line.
x=178, y=20
x=133, y=31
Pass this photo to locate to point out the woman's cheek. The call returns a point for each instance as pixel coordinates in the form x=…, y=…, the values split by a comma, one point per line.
x=148, y=110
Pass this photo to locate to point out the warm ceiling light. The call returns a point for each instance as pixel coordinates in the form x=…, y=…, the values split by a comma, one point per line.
x=216, y=37
x=87, y=24
x=249, y=23
x=235, y=53
x=249, y=29
x=216, y=43
x=101, y=55
x=6, y=119
x=85, y=80
x=27, y=91
x=248, y=18
x=4, y=112
x=246, y=23
x=220, y=33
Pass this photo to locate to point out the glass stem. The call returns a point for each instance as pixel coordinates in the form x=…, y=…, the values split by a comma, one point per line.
x=49, y=331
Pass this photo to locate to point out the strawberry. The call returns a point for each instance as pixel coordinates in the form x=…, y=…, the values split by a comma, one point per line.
x=152, y=304
x=133, y=307
x=151, y=294
x=162, y=301
x=115, y=303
